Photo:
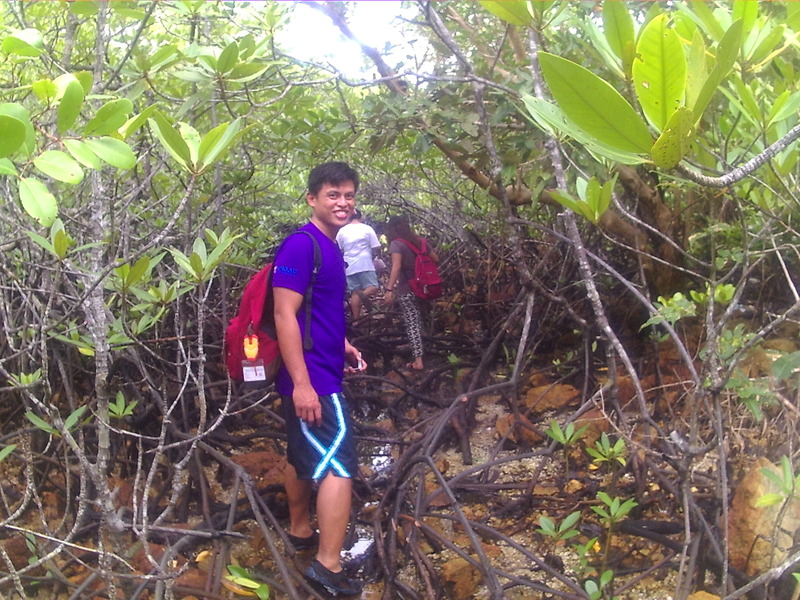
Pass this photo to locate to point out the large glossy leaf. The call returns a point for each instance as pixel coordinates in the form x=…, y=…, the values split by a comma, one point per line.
x=696, y=68
x=595, y=106
x=71, y=101
x=551, y=120
x=24, y=42
x=618, y=26
x=113, y=151
x=727, y=52
x=45, y=89
x=192, y=139
x=676, y=139
x=59, y=165
x=705, y=17
x=170, y=139
x=217, y=141
x=7, y=167
x=12, y=135
x=110, y=117
x=81, y=152
x=19, y=112
x=37, y=201
x=228, y=58
x=134, y=123
x=787, y=105
x=244, y=72
x=659, y=71
x=747, y=11
x=511, y=11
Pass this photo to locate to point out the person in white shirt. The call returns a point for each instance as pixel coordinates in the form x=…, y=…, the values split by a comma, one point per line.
x=360, y=245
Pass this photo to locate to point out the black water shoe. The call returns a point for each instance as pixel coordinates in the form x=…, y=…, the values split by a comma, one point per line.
x=337, y=584
x=304, y=543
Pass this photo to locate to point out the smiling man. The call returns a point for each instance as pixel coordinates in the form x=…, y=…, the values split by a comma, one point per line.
x=321, y=448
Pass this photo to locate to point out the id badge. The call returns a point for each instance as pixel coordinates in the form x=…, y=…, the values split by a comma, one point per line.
x=253, y=370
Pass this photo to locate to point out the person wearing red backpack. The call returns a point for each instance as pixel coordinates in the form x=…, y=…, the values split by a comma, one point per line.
x=402, y=242
x=321, y=449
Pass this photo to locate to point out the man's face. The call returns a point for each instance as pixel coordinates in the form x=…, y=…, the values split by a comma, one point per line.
x=332, y=206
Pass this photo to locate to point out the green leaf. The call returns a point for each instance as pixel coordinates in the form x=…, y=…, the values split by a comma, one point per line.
x=594, y=106
x=696, y=68
x=785, y=365
x=192, y=139
x=134, y=123
x=81, y=152
x=552, y=120
x=40, y=423
x=19, y=112
x=170, y=139
x=659, y=71
x=110, y=117
x=72, y=420
x=768, y=37
x=37, y=201
x=511, y=11
x=60, y=243
x=41, y=241
x=138, y=271
x=676, y=139
x=84, y=8
x=744, y=94
x=244, y=72
x=45, y=89
x=228, y=58
x=7, y=167
x=217, y=141
x=60, y=166
x=727, y=51
x=71, y=101
x=747, y=11
x=618, y=27
x=12, y=135
x=113, y=151
x=6, y=452
x=769, y=500
x=24, y=42
x=706, y=17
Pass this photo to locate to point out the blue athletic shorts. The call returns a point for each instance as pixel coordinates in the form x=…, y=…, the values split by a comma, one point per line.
x=362, y=280
x=330, y=447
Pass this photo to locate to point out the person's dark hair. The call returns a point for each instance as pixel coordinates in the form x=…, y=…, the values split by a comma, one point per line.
x=356, y=215
x=332, y=173
x=398, y=227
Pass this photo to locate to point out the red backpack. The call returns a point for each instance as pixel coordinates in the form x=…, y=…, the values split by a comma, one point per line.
x=426, y=283
x=251, y=337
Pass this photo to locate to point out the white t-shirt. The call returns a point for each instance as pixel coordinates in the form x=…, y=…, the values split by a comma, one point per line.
x=357, y=241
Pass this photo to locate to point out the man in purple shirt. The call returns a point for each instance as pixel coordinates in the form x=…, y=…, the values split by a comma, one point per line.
x=321, y=447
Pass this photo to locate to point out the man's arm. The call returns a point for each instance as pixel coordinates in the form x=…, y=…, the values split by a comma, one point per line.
x=290, y=341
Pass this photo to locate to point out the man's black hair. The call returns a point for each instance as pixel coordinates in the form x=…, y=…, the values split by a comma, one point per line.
x=332, y=173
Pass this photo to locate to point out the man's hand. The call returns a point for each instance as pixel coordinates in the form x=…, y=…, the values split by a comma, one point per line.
x=354, y=362
x=307, y=406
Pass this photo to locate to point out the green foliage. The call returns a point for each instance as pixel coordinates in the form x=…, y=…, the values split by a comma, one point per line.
x=565, y=531
x=613, y=510
x=120, y=408
x=200, y=264
x=242, y=577
x=566, y=436
x=72, y=421
x=606, y=452
x=671, y=310
x=595, y=106
x=788, y=484
x=7, y=451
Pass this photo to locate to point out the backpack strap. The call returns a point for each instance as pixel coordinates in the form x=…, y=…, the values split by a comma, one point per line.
x=308, y=342
x=417, y=251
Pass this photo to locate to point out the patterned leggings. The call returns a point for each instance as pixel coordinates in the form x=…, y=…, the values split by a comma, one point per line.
x=413, y=321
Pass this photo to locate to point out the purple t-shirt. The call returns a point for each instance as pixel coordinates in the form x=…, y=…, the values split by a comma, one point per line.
x=292, y=269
